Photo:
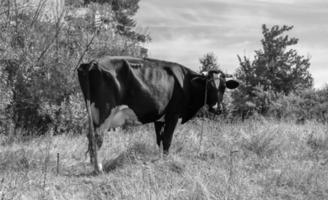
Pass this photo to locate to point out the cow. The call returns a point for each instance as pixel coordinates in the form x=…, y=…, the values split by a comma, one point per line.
x=127, y=90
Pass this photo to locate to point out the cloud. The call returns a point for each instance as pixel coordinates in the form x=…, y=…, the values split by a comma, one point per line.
x=277, y=1
x=318, y=60
x=184, y=30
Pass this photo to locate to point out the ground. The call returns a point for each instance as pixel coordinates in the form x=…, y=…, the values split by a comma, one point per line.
x=255, y=159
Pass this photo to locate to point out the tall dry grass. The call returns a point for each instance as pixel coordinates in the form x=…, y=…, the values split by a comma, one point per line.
x=249, y=160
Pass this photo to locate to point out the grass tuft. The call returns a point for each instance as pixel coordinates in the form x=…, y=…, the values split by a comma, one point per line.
x=263, y=143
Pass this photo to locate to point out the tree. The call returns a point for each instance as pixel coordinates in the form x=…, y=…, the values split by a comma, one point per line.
x=208, y=62
x=276, y=69
x=123, y=12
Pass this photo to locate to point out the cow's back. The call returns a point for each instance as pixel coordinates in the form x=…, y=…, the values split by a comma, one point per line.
x=144, y=85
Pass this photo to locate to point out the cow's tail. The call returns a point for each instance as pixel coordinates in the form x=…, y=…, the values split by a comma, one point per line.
x=84, y=81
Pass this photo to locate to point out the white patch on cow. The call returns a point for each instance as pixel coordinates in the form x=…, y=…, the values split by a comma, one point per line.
x=120, y=116
x=94, y=113
x=217, y=80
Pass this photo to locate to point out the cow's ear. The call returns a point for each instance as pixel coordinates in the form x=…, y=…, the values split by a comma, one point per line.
x=232, y=84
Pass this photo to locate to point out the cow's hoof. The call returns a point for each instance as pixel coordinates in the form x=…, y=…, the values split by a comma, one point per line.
x=98, y=169
x=165, y=153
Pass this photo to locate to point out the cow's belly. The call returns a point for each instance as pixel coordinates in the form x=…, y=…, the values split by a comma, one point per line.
x=124, y=114
x=148, y=110
x=120, y=116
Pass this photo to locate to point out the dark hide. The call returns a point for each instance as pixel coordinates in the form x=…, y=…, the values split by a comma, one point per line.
x=156, y=91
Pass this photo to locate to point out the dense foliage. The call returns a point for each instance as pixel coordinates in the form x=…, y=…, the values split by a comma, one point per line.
x=39, y=56
x=308, y=105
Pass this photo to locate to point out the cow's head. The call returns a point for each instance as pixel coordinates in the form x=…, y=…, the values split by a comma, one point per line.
x=216, y=84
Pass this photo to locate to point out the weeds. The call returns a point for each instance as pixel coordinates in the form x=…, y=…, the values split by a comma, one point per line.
x=263, y=143
x=318, y=144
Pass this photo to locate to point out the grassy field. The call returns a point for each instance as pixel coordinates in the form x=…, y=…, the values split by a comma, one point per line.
x=250, y=160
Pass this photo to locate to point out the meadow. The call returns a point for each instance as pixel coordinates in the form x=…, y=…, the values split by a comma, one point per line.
x=255, y=159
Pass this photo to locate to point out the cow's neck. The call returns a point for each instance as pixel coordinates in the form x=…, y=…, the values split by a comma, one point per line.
x=196, y=101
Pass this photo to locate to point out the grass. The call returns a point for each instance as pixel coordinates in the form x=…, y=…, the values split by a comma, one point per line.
x=249, y=160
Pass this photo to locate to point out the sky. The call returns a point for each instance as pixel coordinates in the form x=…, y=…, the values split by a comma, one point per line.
x=185, y=30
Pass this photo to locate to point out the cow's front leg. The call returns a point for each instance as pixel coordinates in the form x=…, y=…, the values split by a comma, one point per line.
x=159, y=136
x=170, y=124
x=159, y=132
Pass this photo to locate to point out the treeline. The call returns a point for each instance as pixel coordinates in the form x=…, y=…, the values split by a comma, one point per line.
x=275, y=83
x=40, y=53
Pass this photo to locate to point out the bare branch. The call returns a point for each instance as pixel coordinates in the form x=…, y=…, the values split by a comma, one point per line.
x=37, y=13
x=86, y=49
x=58, y=29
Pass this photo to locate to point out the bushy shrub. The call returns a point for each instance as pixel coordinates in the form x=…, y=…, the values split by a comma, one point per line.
x=309, y=104
x=247, y=101
x=72, y=116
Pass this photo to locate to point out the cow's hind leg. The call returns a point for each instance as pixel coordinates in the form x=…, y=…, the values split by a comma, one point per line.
x=99, y=139
x=170, y=124
x=92, y=147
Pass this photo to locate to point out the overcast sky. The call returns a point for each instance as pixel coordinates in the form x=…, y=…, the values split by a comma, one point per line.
x=185, y=30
